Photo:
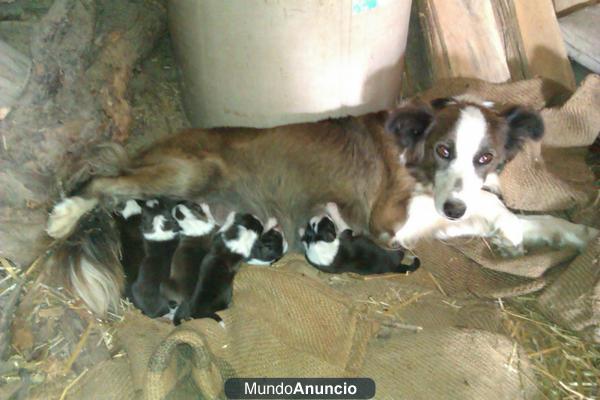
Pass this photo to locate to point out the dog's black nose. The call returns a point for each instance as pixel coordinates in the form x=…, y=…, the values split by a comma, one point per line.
x=454, y=209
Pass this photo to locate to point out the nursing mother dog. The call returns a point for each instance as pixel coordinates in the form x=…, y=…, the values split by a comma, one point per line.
x=414, y=172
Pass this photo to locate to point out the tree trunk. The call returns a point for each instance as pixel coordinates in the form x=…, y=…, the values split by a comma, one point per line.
x=83, y=53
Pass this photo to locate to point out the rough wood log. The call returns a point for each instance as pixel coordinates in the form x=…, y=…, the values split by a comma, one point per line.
x=565, y=7
x=545, y=50
x=493, y=40
x=83, y=53
x=463, y=40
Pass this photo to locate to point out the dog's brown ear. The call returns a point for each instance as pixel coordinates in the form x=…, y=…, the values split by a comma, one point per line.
x=523, y=124
x=409, y=124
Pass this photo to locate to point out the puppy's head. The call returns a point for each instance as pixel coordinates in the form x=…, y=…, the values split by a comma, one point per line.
x=194, y=219
x=270, y=247
x=240, y=232
x=157, y=221
x=319, y=229
x=457, y=144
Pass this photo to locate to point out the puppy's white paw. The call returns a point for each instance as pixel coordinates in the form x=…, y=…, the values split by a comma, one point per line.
x=66, y=214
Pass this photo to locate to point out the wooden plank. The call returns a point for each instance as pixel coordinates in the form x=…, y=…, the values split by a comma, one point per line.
x=563, y=7
x=463, y=39
x=542, y=40
x=506, y=23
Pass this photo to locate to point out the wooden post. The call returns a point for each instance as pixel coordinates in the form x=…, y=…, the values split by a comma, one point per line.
x=493, y=40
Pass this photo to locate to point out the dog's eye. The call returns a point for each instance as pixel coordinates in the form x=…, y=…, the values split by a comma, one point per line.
x=443, y=151
x=485, y=159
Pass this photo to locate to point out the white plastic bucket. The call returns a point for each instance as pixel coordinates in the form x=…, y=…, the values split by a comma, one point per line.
x=262, y=63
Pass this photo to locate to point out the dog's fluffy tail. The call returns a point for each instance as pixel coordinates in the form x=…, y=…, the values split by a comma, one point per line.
x=88, y=262
x=86, y=257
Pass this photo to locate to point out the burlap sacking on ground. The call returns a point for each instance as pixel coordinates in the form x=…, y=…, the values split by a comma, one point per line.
x=436, y=333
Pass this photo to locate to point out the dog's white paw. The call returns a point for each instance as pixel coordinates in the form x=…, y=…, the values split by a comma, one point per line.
x=507, y=248
x=577, y=236
x=66, y=214
x=556, y=232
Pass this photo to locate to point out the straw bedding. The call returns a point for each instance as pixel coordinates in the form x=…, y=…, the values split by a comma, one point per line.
x=441, y=332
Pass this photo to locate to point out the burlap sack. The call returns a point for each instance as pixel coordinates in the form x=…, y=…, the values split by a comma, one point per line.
x=436, y=333
x=284, y=323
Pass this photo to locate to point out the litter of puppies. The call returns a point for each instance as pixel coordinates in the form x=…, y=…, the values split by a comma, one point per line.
x=180, y=263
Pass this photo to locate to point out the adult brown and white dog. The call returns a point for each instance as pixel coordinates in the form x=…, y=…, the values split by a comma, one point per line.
x=417, y=171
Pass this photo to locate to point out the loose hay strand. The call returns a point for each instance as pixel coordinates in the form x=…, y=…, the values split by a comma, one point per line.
x=71, y=384
x=567, y=367
x=78, y=348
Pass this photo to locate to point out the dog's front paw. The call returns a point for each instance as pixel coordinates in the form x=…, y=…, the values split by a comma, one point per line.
x=506, y=248
x=66, y=214
x=578, y=236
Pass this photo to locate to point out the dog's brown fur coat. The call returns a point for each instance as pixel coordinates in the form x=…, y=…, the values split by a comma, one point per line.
x=282, y=172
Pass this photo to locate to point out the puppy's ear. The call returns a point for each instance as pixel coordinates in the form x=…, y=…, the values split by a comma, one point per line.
x=523, y=124
x=410, y=125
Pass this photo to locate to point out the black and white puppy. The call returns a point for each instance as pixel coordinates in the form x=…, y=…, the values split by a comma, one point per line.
x=160, y=233
x=197, y=228
x=129, y=220
x=271, y=245
x=331, y=246
x=214, y=288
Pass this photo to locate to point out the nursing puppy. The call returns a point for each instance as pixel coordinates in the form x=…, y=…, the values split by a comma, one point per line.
x=159, y=231
x=129, y=219
x=270, y=247
x=331, y=246
x=214, y=288
x=197, y=228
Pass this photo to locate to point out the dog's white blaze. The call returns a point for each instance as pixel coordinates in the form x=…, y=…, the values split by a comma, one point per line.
x=95, y=287
x=158, y=234
x=151, y=203
x=66, y=214
x=321, y=252
x=131, y=208
x=190, y=225
x=314, y=221
x=242, y=245
x=471, y=129
x=228, y=222
x=335, y=215
x=207, y=212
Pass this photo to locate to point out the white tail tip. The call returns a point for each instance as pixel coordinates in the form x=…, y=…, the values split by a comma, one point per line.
x=66, y=214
